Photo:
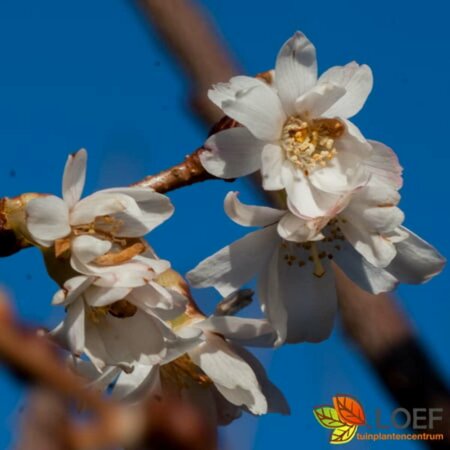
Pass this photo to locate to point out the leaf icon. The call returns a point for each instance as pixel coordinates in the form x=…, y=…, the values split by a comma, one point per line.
x=343, y=434
x=328, y=417
x=349, y=410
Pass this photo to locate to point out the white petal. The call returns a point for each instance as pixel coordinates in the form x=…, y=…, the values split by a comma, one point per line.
x=252, y=332
x=74, y=177
x=142, y=382
x=228, y=91
x=154, y=209
x=250, y=216
x=416, y=261
x=368, y=277
x=232, y=376
x=309, y=201
x=86, y=248
x=47, y=219
x=295, y=70
x=232, y=153
x=74, y=324
x=357, y=81
x=277, y=403
x=377, y=249
x=292, y=228
x=384, y=166
x=102, y=204
x=272, y=159
x=309, y=301
x=73, y=288
x=234, y=265
x=259, y=110
x=318, y=99
x=100, y=296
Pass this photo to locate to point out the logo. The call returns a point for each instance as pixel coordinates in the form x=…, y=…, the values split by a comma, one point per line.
x=343, y=418
x=347, y=414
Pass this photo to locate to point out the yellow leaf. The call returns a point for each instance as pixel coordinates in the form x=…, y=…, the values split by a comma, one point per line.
x=343, y=434
x=327, y=417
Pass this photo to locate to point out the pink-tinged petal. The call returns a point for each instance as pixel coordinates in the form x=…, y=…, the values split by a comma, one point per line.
x=356, y=80
x=259, y=110
x=250, y=216
x=232, y=153
x=377, y=249
x=318, y=99
x=272, y=159
x=153, y=210
x=222, y=92
x=47, y=219
x=72, y=290
x=304, y=197
x=368, y=277
x=74, y=177
x=308, y=300
x=86, y=248
x=102, y=204
x=231, y=375
x=416, y=261
x=295, y=70
x=234, y=265
x=384, y=166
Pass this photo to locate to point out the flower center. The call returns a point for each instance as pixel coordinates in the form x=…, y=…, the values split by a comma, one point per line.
x=310, y=144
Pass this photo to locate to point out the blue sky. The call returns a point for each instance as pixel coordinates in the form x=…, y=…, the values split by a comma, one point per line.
x=91, y=74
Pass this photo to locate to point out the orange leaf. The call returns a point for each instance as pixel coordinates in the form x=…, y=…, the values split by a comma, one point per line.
x=349, y=410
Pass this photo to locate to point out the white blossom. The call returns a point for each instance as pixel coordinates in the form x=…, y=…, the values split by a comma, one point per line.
x=293, y=257
x=114, y=213
x=297, y=131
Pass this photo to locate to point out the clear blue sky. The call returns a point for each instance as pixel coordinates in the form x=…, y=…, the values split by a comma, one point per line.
x=89, y=73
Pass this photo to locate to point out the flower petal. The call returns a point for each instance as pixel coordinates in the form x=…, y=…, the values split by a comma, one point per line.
x=73, y=288
x=153, y=210
x=252, y=332
x=416, y=261
x=292, y=228
x=74, y=177
x=74, y=327
x=234, y=265
x=137, y=385
x=99, y=296
x=277, y=403
x=250, y=216
x=357, y=81
x=232, y=153
x=222, y=92
x=305, y=198
x=47, y=219
x=102, y=204
x=384, y=166
x=272, y=159
x=308, y=300
x=86, y=248
x=318, y=99
x=295, y=70
x=259, y=109
x=232, y=376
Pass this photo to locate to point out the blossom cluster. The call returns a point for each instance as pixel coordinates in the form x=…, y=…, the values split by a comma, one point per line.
x=130, y=320
x=127, y=323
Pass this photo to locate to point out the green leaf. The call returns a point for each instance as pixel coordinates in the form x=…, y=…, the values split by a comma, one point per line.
x=343, y=434
x=328, y=417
